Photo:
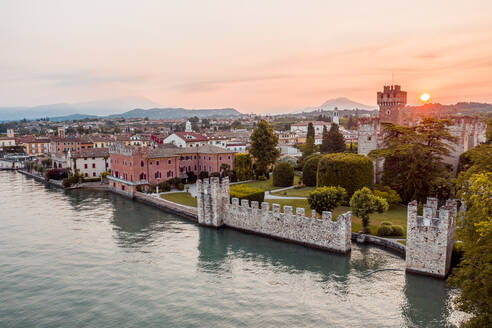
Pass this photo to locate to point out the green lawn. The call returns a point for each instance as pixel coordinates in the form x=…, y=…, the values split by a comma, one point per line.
x=397, y=214
x=183, y=198
x=267, y=185
x=295, y=192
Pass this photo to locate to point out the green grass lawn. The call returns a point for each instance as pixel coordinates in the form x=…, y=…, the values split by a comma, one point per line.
x=183, y=198
x=295, y=192
x=267, y=185
x=397, y=214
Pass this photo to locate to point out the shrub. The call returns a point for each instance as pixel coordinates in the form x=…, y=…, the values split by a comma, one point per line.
x=385, y=230
x=262, y=178
x=326, y=198
x=310, y=170
x=398, y=230
x=164, y=186
x=56, y=174
x=350, y=171
x=283, y=175
x=191, y=177
x=203, y=175
x=105, y=174
x=247, y=192
x=243, y=165
x=91, y=179
x=215, y=174
x=387, y=193
x=180, y=186
x=388, y=229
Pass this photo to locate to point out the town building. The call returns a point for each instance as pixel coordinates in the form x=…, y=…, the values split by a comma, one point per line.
x=133, y=166
x=91, y=163
x=34, y=146
x=186, y=139
x=302, y=127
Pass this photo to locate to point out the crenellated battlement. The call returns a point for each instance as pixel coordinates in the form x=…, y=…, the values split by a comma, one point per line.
x=214, y=209
x=430, y=237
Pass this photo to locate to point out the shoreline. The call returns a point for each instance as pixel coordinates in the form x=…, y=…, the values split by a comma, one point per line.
x=191, y=214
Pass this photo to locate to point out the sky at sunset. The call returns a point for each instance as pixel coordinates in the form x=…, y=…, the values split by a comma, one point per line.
x=256, y=56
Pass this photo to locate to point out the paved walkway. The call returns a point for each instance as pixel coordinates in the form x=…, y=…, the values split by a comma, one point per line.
x=268, y=194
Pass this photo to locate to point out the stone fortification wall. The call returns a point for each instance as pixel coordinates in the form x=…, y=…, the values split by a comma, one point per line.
x=215, y=210
x=430, y=238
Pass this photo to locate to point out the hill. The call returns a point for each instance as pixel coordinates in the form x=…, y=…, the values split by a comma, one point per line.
x=176, y=113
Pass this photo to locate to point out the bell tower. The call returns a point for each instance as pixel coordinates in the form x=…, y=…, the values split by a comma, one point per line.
x=391, y=103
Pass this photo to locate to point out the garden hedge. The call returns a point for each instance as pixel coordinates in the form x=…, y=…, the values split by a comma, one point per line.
x=247, y=192
x=283, y=175
x=310, y=170
x=350, y=171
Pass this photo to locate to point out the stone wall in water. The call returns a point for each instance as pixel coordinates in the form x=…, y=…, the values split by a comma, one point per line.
x=215, y=209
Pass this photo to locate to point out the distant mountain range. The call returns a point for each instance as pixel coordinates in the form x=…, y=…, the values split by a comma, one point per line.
x=341, y=103
x=128, y=107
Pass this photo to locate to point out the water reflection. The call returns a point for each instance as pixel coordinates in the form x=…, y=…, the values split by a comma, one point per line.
x=428, y=301
x=217, y=246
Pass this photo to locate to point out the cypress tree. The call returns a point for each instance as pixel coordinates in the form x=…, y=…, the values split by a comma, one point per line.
x=324, y=144
x=336, y=141
x=310, y=131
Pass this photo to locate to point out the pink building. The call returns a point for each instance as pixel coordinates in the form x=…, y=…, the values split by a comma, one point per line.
x=143, y=166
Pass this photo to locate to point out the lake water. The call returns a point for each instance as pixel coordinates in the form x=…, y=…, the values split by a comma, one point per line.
x=93, y=259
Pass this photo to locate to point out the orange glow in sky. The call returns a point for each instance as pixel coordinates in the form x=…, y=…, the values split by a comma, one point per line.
x=256, y=56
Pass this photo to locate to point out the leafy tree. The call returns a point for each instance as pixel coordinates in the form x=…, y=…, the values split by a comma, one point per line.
x=310, y=131
x=351, y=123
x=243, y=167
x=283, y=175
x=488, y=132
x=474, y=273
x=326, y=198
x=325, y=141
x=413, y=156
x=263, y=147
x=236, y=124
x=335, y=141
x=363, y=203
x=308, y=149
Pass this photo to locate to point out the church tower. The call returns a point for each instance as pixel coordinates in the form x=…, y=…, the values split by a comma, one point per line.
x=391, y=103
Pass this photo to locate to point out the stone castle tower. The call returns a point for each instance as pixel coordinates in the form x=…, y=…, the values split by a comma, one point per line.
x=430, y=238
x=212, y=199
x=391, y=103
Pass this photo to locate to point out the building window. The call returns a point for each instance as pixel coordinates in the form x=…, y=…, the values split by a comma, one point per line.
x=86, y=175
x=93, y=165
x=157, y=163
x=220, y=158
x=157, y=175
x=168, y=161
x=93, y=174
x=85, y=166
x=142, y=163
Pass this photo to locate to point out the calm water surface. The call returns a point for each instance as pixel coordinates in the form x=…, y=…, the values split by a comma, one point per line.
x=93, y=259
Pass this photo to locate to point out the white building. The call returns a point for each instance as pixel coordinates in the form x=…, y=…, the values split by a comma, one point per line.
x=91, y=163
x=186, y=139
x=302, y=127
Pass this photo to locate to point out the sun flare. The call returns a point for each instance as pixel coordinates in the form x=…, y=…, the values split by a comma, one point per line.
x=425, y=97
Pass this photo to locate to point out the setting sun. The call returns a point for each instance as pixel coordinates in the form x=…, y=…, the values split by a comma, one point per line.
x=425, y=97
